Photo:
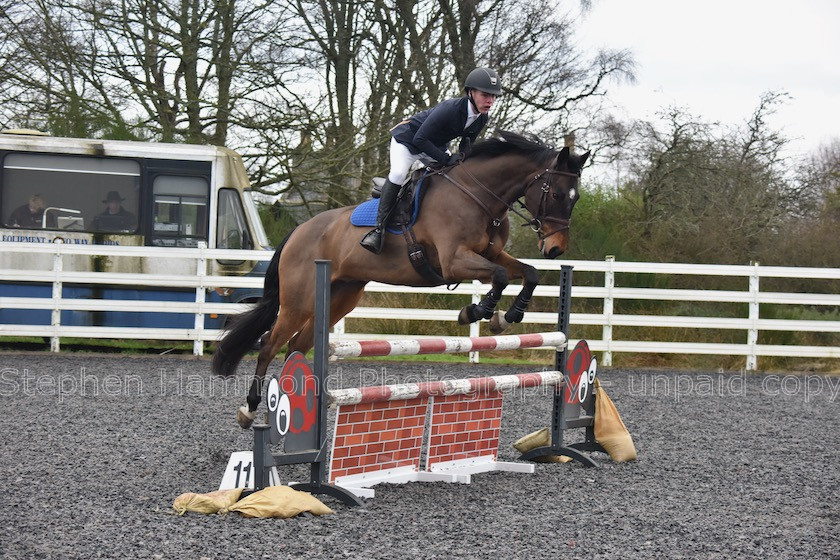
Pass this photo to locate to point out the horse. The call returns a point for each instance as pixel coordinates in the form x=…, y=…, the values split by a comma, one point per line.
x=463, y=225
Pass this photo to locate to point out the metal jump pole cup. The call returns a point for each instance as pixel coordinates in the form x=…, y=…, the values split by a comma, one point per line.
x=561, y=419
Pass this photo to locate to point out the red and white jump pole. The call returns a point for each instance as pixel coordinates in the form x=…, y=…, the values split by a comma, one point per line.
x=446, y=345
x=448, y=387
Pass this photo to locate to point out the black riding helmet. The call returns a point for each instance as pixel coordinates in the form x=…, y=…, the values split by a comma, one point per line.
x=484, y=79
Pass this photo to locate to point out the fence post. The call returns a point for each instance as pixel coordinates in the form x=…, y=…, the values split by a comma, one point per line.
x=752, y=333
x=339, y=329
x=606, y=332
x=200, y=298
x=474, y=327
x=58, y=269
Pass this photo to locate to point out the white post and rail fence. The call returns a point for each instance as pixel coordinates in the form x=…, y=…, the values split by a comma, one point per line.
x=820, y=305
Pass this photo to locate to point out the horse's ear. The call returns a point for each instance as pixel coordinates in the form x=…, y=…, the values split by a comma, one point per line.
x=563, y=156
x=583, y=158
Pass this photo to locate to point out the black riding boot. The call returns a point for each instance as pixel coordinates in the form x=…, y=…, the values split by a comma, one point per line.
x=374, y=239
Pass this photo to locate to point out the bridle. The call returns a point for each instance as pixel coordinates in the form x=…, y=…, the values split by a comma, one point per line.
x=536, y=221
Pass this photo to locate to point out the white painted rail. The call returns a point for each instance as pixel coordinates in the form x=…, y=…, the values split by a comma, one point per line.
x=608, y=293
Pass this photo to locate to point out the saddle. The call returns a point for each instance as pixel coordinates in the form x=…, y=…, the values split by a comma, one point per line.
x=402, y=219
x=407, y=210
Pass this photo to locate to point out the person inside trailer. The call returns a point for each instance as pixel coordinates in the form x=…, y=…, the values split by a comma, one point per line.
x=115, y=217
x=30, y=215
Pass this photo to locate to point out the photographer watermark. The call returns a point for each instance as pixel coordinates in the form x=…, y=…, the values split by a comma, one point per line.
x=197, y=385
x=14, y=382
x=809, y=387
x=84, y=384
x=681, y=386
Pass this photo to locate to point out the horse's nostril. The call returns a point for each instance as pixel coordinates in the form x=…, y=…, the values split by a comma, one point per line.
x=554, y=253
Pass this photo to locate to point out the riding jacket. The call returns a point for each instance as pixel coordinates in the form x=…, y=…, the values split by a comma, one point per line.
x=431, y=131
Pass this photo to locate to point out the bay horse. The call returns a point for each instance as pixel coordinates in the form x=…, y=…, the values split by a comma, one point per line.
x=463, y=225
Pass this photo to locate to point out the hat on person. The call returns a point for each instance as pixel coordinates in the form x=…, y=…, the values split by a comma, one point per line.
x=484, y=79
x=112, y=196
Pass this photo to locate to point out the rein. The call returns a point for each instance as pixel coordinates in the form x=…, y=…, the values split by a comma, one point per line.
x=496, y=221
x=536, y=221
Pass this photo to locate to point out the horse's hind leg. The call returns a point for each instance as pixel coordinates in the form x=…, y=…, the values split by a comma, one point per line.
x=344, y=297
x=270, y=343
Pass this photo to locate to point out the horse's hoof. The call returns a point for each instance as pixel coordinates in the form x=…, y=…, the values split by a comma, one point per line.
x=498, y=325
x=245, y=417
x=464, y=316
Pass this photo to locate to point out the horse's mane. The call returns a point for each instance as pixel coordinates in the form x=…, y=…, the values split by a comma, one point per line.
x=509, y=142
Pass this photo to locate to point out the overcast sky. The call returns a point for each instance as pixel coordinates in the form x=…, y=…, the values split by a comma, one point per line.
x=716, y=57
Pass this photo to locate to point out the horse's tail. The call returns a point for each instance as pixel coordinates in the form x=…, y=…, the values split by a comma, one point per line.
x=245, y=328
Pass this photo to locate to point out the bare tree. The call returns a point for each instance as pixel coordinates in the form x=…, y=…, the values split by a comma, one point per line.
x=551, y=87
x=708, y=194
x=307, y=90
x=411, y=54
x=818, y=182
x=141, y=68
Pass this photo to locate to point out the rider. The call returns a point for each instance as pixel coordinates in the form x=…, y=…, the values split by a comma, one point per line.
x=426, y=135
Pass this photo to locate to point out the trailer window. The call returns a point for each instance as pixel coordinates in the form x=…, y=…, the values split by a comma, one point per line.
x=232, y=232
x=70, y=192
x=180, y=211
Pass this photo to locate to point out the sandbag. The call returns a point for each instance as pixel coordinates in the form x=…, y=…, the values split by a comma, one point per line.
x=540, y=438
x=279, y=501
x=610, y=430
x=211, y=502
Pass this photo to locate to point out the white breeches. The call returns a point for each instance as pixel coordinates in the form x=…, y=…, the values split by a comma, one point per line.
x=401, y=162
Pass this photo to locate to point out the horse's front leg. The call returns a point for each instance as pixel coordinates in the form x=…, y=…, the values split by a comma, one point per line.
x=516, y=313
x=487, y=305
x=468, y=266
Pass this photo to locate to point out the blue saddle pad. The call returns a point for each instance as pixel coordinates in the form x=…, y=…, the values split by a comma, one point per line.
x=365, y=213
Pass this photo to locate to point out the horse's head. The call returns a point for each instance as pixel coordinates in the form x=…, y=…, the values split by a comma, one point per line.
x=550, y=197
x=551, y=183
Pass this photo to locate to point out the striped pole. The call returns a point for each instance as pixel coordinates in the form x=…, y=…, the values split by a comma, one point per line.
x=473, y=385
x=446, y=345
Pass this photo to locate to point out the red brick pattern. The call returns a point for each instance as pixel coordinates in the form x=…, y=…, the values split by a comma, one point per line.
x=377, y=436
x=464, y=427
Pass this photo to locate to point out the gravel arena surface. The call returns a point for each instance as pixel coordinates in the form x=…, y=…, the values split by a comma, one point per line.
x=731, y=465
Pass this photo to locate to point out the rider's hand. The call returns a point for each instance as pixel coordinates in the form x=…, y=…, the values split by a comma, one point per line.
x=453, y=159
x=449, y=161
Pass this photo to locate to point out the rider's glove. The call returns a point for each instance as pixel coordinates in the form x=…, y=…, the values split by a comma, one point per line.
x=453, y=159
x=446, y=162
